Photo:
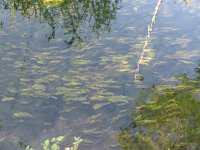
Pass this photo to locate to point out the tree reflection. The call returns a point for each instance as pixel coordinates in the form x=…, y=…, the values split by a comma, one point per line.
x=168, y=120
x=75, y=16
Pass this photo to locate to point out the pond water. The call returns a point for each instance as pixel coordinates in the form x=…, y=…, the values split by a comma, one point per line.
x=77, y=68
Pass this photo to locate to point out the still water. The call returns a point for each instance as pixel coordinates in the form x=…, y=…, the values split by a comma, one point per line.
x=103, y=71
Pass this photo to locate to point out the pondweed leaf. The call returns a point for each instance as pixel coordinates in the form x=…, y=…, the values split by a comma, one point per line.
x=22, y=115
x=5, y=99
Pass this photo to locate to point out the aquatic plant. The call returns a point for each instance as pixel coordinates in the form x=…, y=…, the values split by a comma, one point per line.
x=53, y=2
x=53, y=144
x=169, y=118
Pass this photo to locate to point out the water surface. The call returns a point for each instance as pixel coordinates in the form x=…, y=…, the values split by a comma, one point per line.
x=68, y=68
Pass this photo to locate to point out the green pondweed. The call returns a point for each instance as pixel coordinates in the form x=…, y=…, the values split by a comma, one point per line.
x=54, y=144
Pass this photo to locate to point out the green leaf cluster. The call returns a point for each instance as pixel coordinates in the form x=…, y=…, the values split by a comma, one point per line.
x=54, y=144
x=170, y=118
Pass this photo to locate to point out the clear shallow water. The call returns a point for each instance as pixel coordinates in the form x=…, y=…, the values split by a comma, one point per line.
x=68, y=69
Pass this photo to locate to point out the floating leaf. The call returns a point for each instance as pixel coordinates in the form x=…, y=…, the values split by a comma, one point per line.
x=54, y=147
x=5, y=99
x=120, y=98
x=98, y=106
x=38, y=87
x=60, y=138
x=50, y=2
x=22, y=115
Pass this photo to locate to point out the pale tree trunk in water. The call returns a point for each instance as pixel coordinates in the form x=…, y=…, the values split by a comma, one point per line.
x=138, y=76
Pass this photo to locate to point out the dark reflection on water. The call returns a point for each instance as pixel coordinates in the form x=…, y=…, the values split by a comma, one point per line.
x=77, y=18
x=165, y=118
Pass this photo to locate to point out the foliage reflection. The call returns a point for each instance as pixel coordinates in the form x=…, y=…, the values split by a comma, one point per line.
x=74, y=16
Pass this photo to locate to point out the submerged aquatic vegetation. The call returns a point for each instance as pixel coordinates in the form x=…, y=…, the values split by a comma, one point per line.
x=52, y=2
x=22, y=115
x=168, y=119
x=54, y=144
x=118, y=98
x=7, y=99
x=71, y=83
x=99, y=105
